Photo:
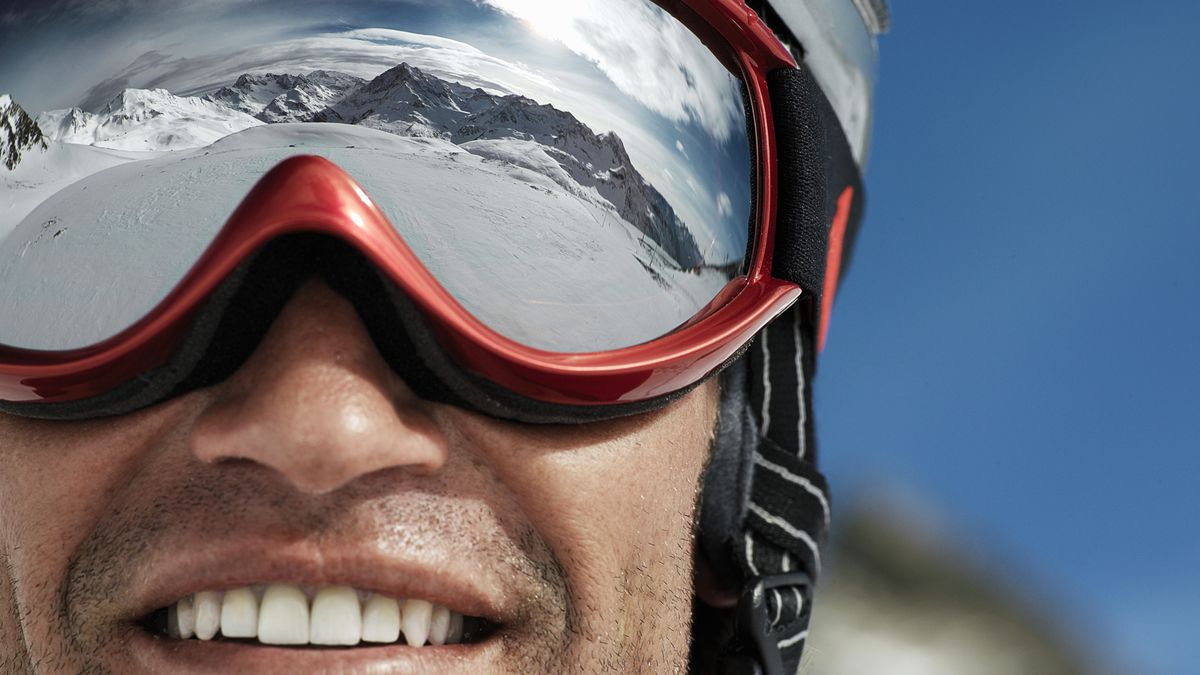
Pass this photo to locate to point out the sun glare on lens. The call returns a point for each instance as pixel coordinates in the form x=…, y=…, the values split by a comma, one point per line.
x=547, y=18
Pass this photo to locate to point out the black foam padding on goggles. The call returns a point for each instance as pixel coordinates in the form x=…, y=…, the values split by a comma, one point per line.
x=234, y=319
x=815, y=165
x=727, y=477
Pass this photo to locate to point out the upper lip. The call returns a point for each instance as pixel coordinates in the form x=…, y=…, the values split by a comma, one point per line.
x=457, y=584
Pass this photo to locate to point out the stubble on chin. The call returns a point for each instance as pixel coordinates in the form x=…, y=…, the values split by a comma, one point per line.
x=13, y=655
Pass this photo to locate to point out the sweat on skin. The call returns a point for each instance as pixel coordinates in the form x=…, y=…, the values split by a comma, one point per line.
x=314, y=466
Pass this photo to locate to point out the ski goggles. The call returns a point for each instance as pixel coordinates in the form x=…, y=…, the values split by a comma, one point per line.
x=547, y=211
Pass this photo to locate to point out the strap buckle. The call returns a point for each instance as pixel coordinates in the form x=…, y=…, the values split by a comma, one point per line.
x=756, y=649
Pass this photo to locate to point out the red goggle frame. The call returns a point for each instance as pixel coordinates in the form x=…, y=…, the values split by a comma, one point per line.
x=311, y=194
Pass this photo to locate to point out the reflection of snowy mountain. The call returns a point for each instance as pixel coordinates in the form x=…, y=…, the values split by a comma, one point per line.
x=69, y=126
x=286, y=98
x=147, y=119
x=403, y=101
x=409, y=102
x=18, y=133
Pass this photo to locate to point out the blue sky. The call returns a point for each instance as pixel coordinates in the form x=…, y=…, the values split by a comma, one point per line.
x=1018, y=339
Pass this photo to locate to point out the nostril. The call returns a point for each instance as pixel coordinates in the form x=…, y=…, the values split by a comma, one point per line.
x=234, y=462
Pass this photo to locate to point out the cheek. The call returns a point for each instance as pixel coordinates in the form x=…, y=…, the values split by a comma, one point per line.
x=57, y=482
x=614, y=501
x=629, y=496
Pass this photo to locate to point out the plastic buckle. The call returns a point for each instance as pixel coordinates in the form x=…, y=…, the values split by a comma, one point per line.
x=757, y=651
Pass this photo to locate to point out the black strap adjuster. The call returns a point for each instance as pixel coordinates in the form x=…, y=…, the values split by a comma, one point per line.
x=756, y=643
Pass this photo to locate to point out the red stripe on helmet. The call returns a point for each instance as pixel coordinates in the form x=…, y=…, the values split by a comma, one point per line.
x=833, y=263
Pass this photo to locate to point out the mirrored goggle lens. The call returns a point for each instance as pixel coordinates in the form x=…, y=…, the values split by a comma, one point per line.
x=575, y=174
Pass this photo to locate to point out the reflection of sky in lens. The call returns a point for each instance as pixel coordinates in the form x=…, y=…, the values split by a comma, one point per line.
x=611, y=71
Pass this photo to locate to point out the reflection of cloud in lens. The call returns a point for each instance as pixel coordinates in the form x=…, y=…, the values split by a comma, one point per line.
x=724, y=205
x=630, y=40
x=364, y=53
x=32, y=13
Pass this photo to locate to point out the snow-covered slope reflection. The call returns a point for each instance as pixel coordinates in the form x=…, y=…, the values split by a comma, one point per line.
x=539, y=263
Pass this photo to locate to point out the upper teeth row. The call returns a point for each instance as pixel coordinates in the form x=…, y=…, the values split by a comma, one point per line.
x=281, y=614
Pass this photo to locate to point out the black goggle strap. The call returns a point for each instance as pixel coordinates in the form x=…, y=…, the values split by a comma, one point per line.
x=821, y=193
x=786, y=519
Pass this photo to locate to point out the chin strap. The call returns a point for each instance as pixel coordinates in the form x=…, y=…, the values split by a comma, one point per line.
x=786, y=514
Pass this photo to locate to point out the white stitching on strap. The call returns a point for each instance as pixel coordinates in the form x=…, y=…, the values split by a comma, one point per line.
x=798, y=480
x=803, y=442
x=750, y=554
x=787, y=527
x=802, y=635
x=766, y=402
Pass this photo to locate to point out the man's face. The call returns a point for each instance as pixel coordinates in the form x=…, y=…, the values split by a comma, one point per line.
x=315, y=466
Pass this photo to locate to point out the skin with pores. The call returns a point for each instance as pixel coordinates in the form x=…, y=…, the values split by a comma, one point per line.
x=314, y=460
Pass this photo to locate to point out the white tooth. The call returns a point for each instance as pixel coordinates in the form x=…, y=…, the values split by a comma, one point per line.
x=239, y=614
x=208, y=614
x=381, y=620
x=455, y=633
x=439, y=625
x=187, y=617
x=416, y=621
x=336, y=617
x=283, y=616
x=181, y=619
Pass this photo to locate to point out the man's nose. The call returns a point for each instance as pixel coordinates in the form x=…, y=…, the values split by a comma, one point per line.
x=318, y=404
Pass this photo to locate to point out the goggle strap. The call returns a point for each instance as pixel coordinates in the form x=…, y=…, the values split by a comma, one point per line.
x=814, y=156
x=786, y=519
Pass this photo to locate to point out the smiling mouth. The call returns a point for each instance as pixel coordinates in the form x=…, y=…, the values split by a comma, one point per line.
x=290, y=615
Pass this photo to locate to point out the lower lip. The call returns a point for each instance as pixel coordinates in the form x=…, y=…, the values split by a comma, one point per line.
x=155, y=654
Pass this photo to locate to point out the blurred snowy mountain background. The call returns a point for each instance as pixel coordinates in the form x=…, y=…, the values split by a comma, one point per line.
x=903, y=595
